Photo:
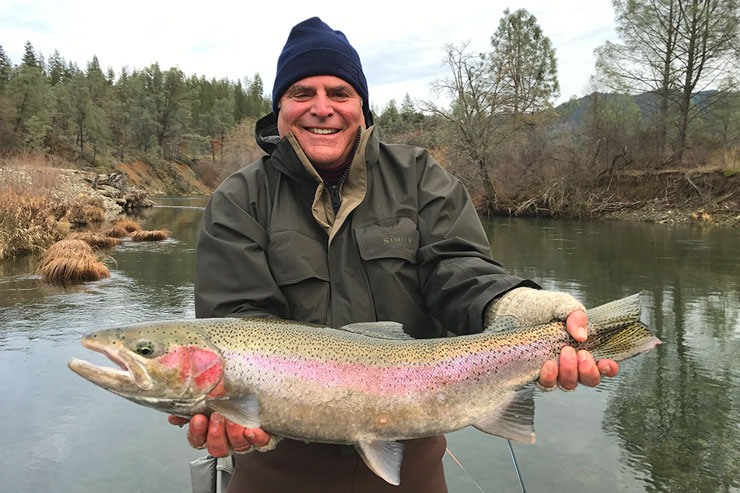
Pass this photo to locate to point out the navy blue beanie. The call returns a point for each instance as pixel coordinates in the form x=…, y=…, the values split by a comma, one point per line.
x=314, y=48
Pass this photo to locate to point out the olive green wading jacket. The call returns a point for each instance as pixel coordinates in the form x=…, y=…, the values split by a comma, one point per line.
x=405, y=245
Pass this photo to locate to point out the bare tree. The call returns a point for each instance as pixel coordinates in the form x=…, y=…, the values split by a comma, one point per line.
x=476, y=109
x=673, y=49
x=707, y=34
x=645, y=61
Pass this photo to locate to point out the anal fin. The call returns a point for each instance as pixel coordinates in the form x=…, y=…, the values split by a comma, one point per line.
x=514, y=419
x=382, y=458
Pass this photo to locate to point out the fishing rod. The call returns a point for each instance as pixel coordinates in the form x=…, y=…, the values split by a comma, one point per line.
x=464, y=470
x=516, y=467
x=513, y=458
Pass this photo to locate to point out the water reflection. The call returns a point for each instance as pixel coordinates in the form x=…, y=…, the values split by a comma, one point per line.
x=675, y=411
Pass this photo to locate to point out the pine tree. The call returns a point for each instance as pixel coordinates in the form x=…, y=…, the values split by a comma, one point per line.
x=524, y=61
x=29, y=56
x=240, y=102
x=255, y=101
x=5, y=66
x=57, y=68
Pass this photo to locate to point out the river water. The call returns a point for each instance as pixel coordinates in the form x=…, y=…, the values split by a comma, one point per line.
x=670, y=421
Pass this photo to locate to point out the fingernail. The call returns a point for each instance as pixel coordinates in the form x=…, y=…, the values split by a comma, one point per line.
x=250, y=435
x=606, y=369
x=216, y=418
x=582, y=356
x=582, y=332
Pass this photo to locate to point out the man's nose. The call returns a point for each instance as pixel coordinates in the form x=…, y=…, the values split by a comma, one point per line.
x=322, y=106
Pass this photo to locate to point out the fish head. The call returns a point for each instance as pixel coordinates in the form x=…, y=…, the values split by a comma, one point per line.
x=170, y=366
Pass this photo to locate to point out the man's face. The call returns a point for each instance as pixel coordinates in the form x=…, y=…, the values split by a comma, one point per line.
x=323, y=112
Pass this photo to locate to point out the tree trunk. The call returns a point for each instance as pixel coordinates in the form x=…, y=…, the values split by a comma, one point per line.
x=490, y=193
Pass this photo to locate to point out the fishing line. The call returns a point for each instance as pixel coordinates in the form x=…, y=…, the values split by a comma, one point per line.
x=464, y=470
x=516, y=467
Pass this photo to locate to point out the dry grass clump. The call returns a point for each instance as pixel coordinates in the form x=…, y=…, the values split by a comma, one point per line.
x=156, y=235
x=71, y=260
x=79, y=269
x=85, y=210
x=28, y=222
x=99, y=240
x=67, y=248
x=128, y=225
x=116, y=231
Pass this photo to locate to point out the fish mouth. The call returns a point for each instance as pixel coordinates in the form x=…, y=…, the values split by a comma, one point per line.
x=124, y=380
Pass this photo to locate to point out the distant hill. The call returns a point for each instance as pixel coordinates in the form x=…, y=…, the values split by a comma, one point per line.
x=571, y=112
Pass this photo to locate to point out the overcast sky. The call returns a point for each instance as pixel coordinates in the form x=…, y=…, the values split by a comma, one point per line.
x=400, y=43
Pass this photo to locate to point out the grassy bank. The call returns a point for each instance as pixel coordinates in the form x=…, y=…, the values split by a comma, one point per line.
x=35, y=210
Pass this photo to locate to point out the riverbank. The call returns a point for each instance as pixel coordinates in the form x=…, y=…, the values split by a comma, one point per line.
x=708, y=196
x=661, y=214
x=44, y=198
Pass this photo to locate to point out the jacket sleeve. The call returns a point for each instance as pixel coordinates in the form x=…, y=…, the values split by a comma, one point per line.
x=457, y=274
x=232, y=277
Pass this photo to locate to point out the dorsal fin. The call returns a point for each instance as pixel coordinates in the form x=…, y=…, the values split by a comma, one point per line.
x=378, y=330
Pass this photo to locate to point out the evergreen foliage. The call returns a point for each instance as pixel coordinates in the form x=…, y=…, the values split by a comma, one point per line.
x=93, y=114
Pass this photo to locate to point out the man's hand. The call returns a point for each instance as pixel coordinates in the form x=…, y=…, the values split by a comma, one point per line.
x=575, y=368
x=219, y=435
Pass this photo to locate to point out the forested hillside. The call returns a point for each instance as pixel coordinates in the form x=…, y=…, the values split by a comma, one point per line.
x=99, y=116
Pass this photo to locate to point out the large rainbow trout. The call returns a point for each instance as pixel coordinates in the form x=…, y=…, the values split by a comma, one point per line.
x=367, y=384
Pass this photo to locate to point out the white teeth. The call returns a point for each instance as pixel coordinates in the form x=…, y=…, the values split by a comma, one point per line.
x=323, y=130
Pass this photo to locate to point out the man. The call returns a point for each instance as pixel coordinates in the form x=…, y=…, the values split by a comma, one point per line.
x=335, y=227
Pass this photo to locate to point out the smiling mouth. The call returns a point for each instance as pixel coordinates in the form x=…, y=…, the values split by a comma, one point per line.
x=322, y=131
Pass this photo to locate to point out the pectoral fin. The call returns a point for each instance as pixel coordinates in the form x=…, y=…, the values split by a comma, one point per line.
x=243, y=410
x=513, y=420
x=382, y=458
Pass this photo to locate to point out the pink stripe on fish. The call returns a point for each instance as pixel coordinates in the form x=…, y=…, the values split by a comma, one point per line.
x=385, y=379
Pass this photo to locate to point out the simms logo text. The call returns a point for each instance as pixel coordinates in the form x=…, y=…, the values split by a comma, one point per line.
x=397, y=239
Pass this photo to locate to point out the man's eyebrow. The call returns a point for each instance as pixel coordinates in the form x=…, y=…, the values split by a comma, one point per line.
x=340, y=87
x=299, y=88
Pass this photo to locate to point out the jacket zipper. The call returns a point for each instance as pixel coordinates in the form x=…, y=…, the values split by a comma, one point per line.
x=336, y=200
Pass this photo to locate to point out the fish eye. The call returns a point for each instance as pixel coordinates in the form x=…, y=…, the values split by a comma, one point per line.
x=144, y=348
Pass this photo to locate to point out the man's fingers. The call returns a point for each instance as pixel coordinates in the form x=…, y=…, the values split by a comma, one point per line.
x=218, y=443
x=237, y=437
x=576, y=323
x=198, y=431
x=608, y=368
x=257, y=436
x=568, y=372
x=177, y=420
x=548, y=374
x=588, y=373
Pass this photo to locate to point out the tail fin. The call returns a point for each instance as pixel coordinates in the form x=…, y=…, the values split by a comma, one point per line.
x=616, y=332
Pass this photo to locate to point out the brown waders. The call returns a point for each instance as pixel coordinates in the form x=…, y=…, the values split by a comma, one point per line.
x=323, y=468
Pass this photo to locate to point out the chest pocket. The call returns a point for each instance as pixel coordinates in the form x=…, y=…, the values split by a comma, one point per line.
x=399, y=240
x=298, y=265
x=388, y=254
